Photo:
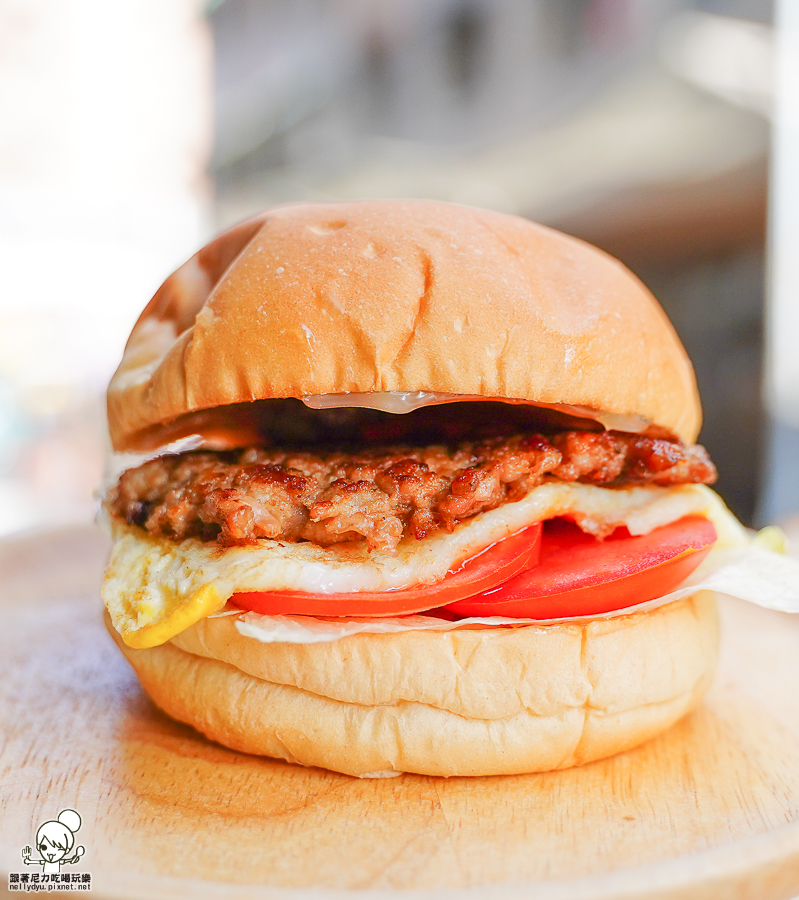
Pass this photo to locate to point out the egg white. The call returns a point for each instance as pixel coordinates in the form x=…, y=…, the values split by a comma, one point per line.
x=150, y=578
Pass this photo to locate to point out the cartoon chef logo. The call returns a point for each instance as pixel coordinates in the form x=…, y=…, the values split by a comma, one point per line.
x=56, y=846
x=55, y=841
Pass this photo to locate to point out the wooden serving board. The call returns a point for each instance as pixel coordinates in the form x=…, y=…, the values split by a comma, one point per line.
x=709, y=810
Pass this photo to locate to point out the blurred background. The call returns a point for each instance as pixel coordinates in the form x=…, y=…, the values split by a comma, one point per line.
x=134, y=130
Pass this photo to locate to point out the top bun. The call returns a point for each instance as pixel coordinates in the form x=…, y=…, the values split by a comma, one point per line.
x=400, y=296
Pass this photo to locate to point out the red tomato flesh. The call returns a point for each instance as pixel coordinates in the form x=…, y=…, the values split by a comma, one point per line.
x=578, y=575
x=494, y=565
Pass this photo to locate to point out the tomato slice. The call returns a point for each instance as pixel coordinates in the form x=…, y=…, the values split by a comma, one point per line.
x=579, y=575
x=494, y=565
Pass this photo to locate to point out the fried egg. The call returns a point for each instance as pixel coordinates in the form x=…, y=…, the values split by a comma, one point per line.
x=155, y=587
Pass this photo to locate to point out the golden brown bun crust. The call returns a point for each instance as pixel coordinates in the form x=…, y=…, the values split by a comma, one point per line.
x=469, y=702
x=411, y=295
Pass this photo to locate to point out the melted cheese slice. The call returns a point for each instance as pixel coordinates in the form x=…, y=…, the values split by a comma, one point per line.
x=400, y=402
x=155, y=588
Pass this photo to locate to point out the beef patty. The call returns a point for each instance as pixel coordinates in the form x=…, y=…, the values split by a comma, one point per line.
x=380, y=494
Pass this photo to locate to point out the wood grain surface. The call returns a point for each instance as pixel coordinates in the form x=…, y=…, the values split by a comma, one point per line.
x=709, y=810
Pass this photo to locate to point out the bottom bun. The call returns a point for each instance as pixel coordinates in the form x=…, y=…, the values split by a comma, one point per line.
x=472, y=701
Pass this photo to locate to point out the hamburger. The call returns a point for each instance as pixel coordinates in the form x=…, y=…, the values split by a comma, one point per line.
x=416, y=484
